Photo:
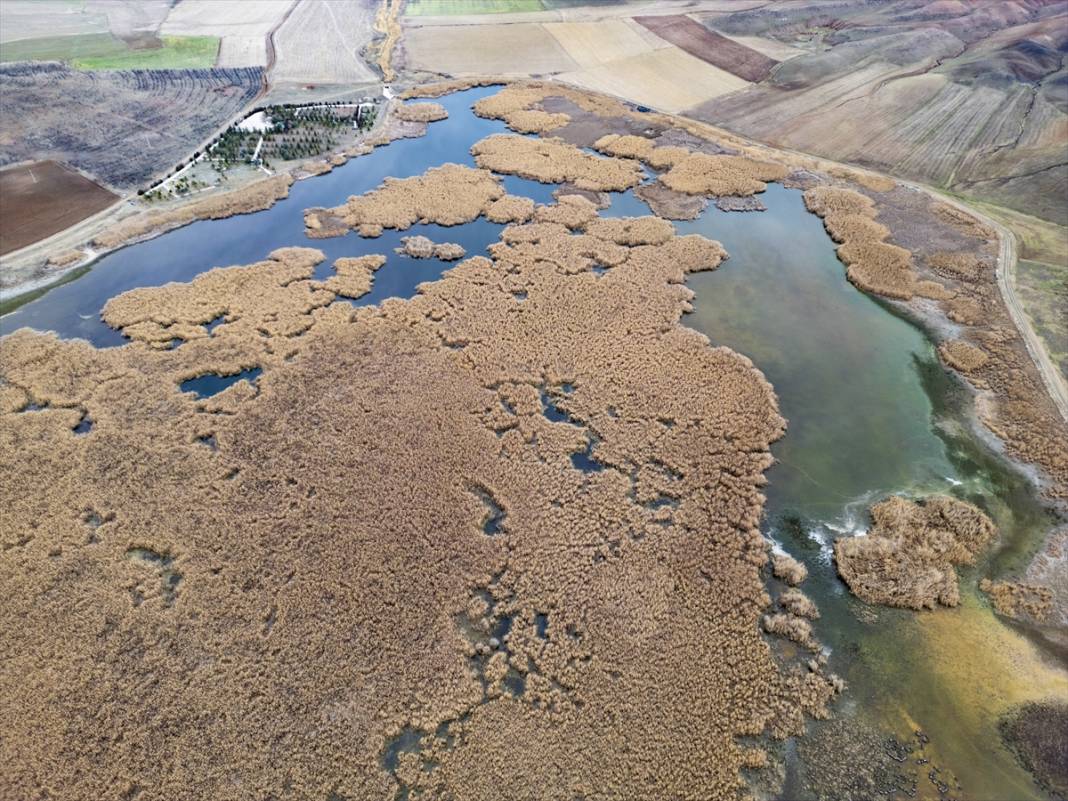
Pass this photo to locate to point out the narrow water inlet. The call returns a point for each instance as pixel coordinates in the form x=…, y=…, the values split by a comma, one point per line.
x=205, y=386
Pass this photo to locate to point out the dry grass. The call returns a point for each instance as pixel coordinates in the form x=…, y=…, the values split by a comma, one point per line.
x=353, y=276
x=702, y=174
x=554, y=161
x=441, y=88
x=632, y=231
x=1018, y=600
x=791, y=627
x=907, y=557
x=966, y=265
x=871, y=264
x=797, y=603
x=420, y=247
x=66, y=258
x=626, y=146
x=963, y=356
x=535, y=121
x=572, y=211
x=255, y=197
x=788, y=569
x=285, y=524
x=420, y=112
x=510, y=209
x=448, y=195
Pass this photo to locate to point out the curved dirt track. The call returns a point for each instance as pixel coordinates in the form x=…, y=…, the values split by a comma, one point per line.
x=1006, y=266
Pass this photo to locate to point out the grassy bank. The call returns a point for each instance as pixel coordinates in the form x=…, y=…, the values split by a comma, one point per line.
x=102, y=51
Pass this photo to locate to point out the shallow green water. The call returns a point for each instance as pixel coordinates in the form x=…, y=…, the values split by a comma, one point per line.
x=871, y=412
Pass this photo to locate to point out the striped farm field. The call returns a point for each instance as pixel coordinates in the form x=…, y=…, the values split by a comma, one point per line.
x=436, y=8
x=651, y=79
x=591, y=44
x=707, y=45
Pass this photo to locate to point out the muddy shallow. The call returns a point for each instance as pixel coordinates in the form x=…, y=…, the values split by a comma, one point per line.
x=870, y=413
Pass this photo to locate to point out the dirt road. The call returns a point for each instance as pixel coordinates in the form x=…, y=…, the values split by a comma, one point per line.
x=1006, y=271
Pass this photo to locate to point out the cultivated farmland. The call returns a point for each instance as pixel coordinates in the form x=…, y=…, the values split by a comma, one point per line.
x=518, y=49
x=30, y=19
x=242, y=24
x=616, y=55
x=968, y=96
x=652, y=79
x=102, y=51
x=43, y=198
x=592, y=44
x=432, y=8
x=123, y=127
x=707, y=45
x=321, y=43
x=100, y=34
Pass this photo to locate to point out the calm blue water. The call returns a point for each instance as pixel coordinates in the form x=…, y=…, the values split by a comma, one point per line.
x=209, y=384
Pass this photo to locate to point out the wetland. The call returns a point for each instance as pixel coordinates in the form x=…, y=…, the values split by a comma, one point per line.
x=500, y=500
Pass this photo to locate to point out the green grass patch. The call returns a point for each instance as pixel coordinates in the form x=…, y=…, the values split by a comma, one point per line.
x=436, y=8
x=178, y=52
x=63, y=48
x=102, y=51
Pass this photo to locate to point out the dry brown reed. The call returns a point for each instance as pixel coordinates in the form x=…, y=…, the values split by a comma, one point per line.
x=907, y=557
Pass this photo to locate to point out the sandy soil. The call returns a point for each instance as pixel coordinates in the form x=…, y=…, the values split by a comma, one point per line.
x=43, y=198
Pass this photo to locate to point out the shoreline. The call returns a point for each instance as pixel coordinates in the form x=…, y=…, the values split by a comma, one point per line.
x=12, y=297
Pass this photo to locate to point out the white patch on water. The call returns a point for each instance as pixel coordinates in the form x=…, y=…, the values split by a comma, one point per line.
x=852, y=522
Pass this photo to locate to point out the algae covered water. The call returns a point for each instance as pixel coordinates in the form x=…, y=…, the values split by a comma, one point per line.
x=870, y=413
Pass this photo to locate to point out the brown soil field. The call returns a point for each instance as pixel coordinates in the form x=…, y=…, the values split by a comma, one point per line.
x=707, y=45
x=44, y=198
